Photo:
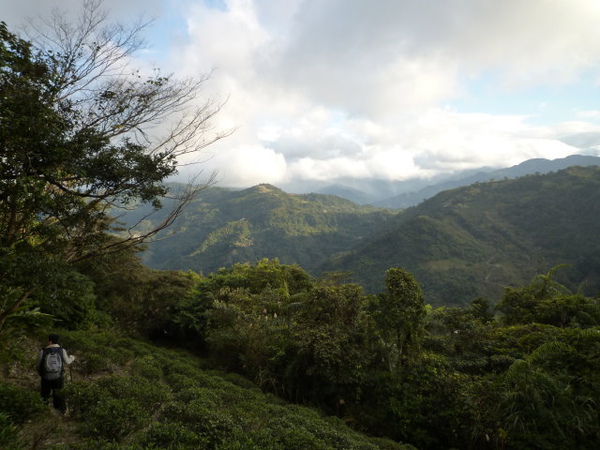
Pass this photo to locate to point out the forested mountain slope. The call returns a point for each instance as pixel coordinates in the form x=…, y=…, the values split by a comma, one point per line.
x=461, y=244
x=222, y=227
x=473, y=241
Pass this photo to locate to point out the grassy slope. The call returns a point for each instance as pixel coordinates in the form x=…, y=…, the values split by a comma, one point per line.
x=130, y=394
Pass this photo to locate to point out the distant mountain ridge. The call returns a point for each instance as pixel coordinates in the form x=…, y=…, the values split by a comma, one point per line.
x=413, y=192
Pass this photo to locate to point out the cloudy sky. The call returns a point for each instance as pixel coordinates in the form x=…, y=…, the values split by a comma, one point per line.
x=388, y=89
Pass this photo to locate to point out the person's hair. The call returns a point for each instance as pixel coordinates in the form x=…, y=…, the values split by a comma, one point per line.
x=54, y=338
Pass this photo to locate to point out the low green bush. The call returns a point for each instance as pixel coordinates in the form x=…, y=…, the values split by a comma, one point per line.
x=137, y=348
x=240, y=381
x=148, y=367
x=162, y=399
x=102, y=444
x=284, y=434
x=115, y=406
x=9, y=433
x=20, y=404
x=135, y=389
x=199, y=394
x=179, y=382
x=96, y=351
x=115, y=418
x=83, y=397
x=172, y=436
x=205, y=419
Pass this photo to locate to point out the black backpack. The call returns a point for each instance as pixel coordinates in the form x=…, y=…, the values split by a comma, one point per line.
x=52, y=363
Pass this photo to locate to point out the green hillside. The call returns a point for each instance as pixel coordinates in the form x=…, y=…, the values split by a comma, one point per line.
x=124, y=393
x=461, y=244
x=222, y=227
x=471, y=242
x=266, y=357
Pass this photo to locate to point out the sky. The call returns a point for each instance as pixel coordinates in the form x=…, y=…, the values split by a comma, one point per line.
x=323, y=90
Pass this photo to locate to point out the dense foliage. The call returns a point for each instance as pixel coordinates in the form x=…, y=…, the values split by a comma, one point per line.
x=131, y=395
x=522, y=374
x=436, y=378
x=461, y=244
x=471, y=242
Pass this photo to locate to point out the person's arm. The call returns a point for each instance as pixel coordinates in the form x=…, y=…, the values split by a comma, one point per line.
x=68, y=359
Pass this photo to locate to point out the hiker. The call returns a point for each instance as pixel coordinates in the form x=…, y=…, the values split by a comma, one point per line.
x=51, y=367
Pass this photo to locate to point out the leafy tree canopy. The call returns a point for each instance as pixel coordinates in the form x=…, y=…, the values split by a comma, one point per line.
x=79, y=137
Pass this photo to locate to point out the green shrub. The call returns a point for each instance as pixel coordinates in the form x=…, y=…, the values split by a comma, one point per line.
x=198, y=394
x=93, y=364
x=240, y=380
x=288, y=436
x=182, y=367
x=179, y=382
x=172, y=436
x=148, y=367
x=83, y=397
x=8, y=433
x=115, y=418
x=115, y=406
x=97, y=352
x=102, y=444
x=209, y=422
x=137, y=348
x=135, y=389
x=19, y=404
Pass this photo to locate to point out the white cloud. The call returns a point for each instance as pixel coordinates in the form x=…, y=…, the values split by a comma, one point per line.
x=335, y=88
x=244, y=166
x=591, y=115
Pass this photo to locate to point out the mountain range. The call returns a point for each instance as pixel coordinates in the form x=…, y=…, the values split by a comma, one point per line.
x=474, y=241
x=462, y=243
x=403, y=194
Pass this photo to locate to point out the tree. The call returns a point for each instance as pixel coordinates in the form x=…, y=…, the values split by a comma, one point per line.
x=333, y=348
x=400, y=315
x=546, y=301
x=80, y=138
x=242, y=314
x=538, y=409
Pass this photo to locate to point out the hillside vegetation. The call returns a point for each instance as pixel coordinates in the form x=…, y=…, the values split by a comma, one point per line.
x=461, y=244
x=471, y=242
x=222, y=227
x=264, y=356
x=127, y=394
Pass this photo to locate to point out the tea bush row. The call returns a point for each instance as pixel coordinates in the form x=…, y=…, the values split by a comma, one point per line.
x=161, y=399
